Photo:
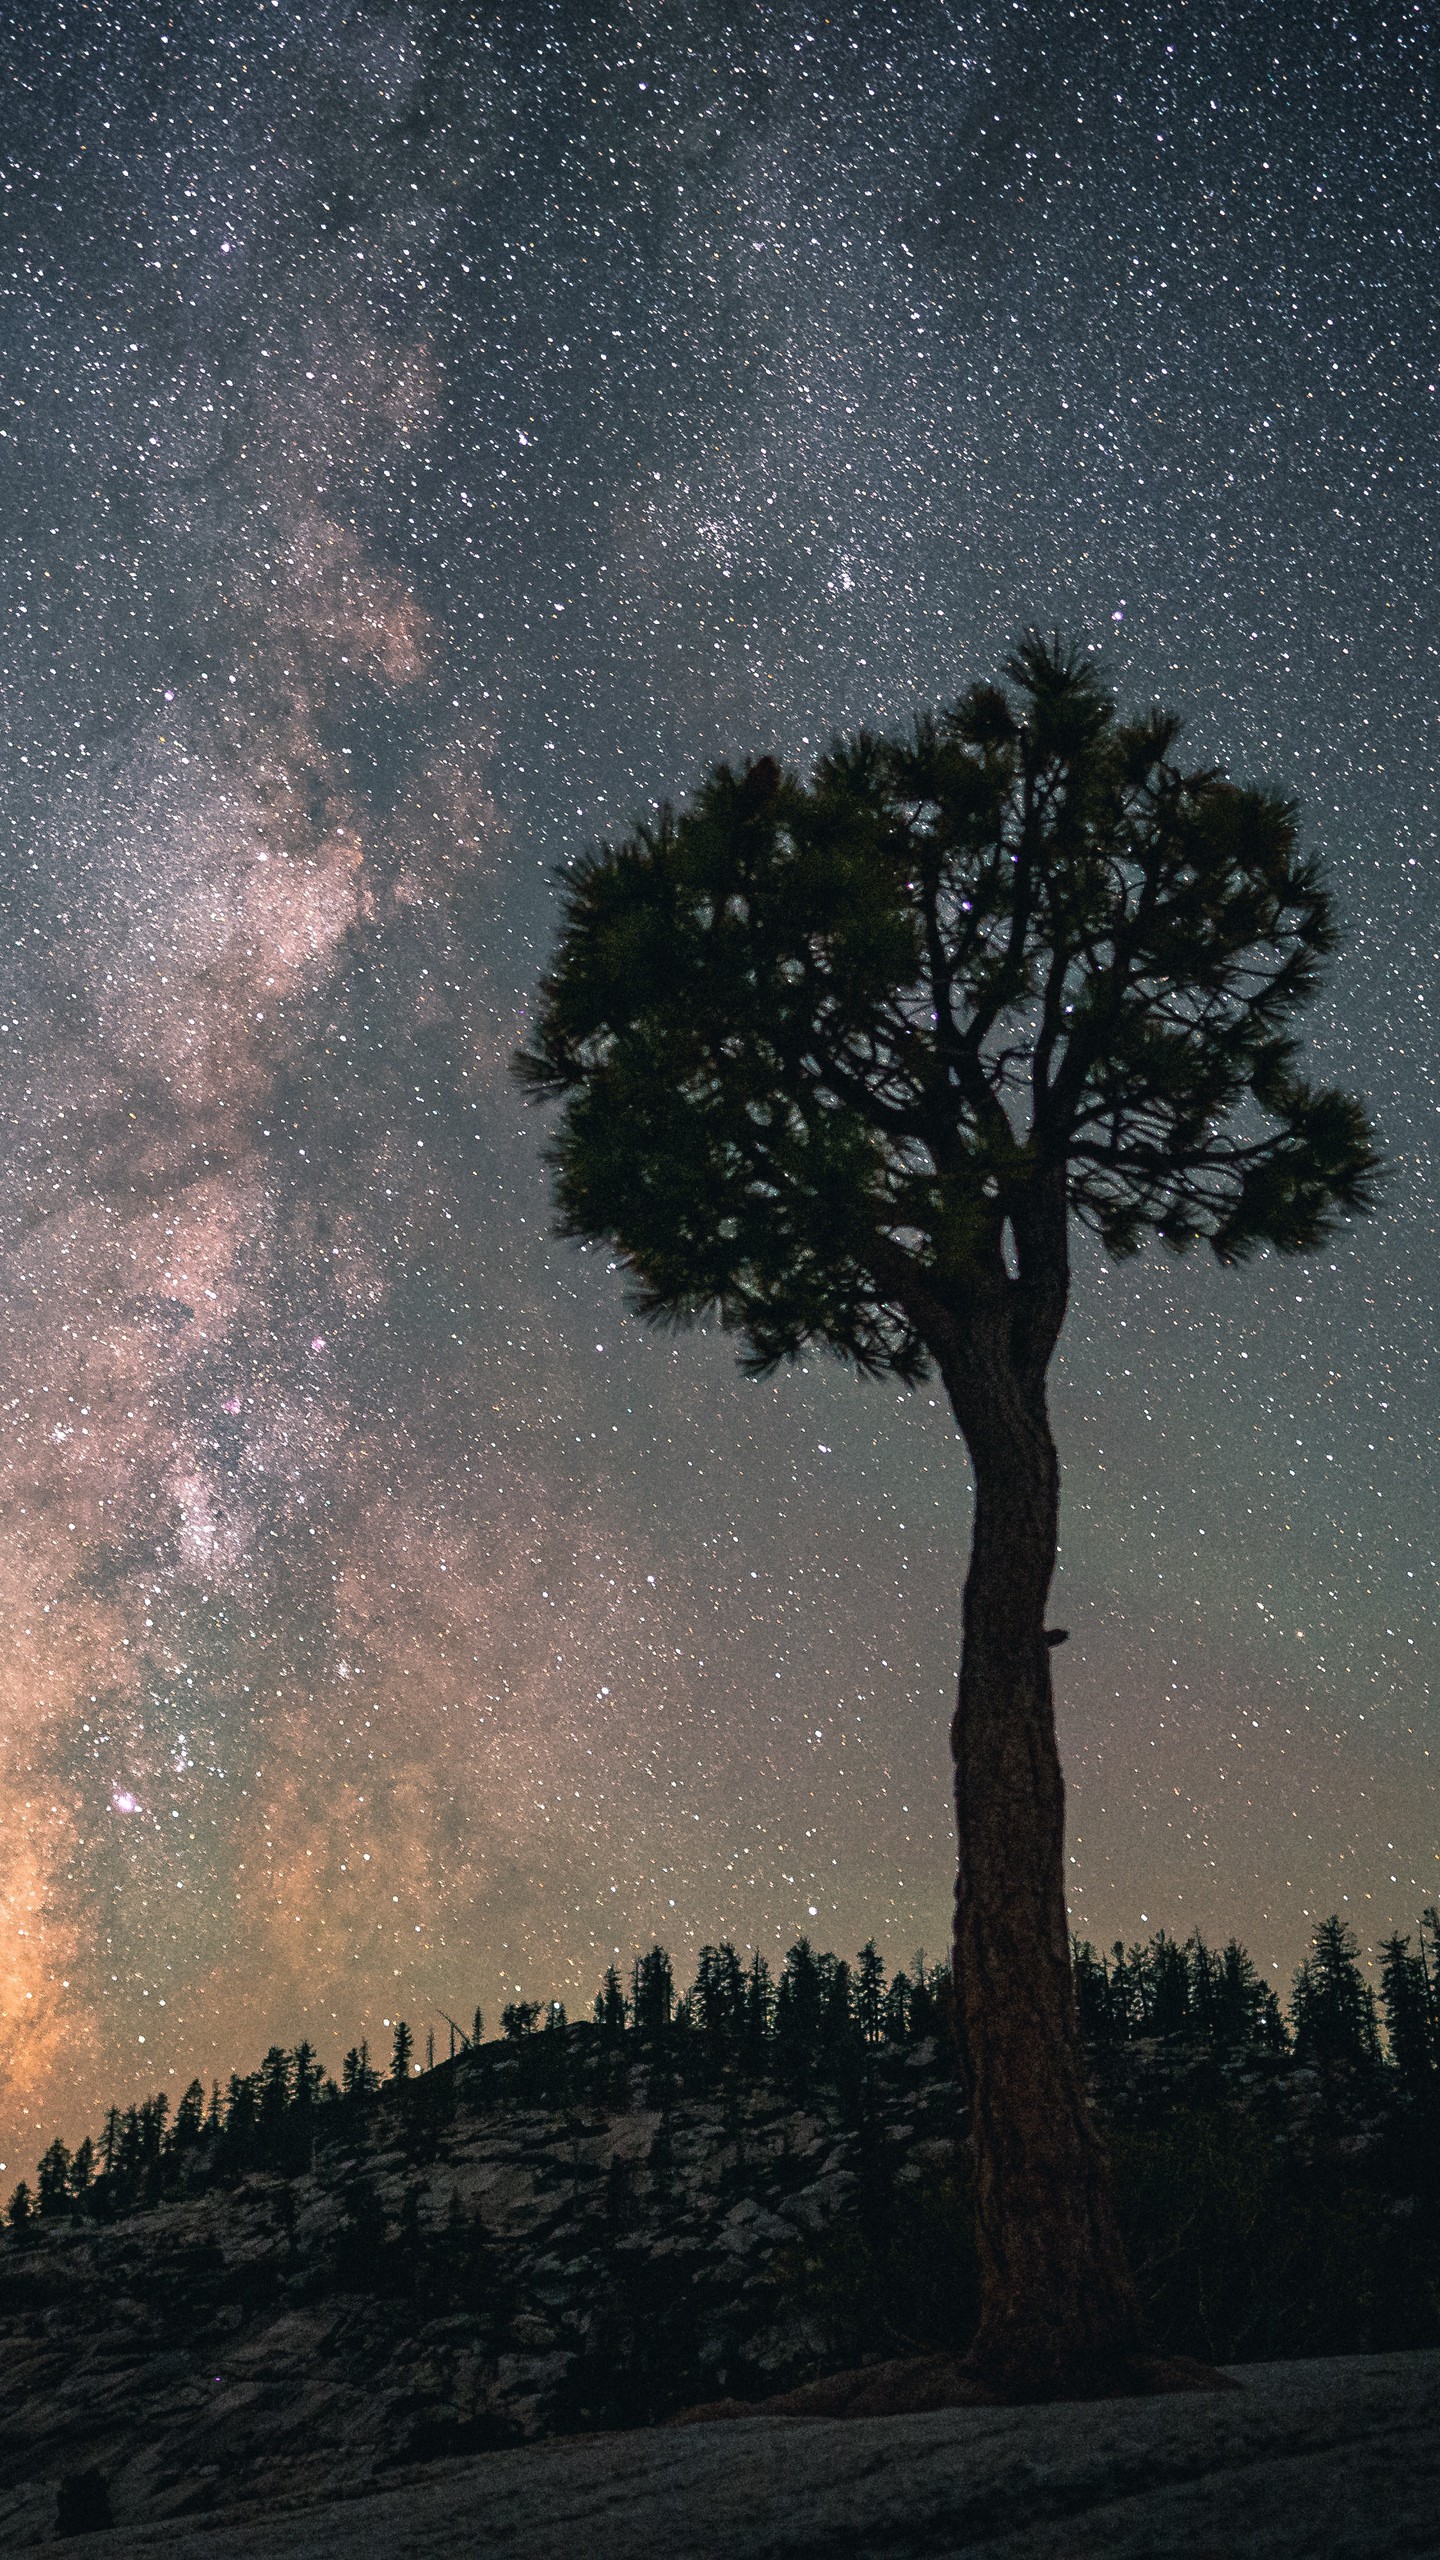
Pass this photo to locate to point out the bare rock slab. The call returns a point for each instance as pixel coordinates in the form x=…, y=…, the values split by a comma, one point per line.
x=1337, y=2459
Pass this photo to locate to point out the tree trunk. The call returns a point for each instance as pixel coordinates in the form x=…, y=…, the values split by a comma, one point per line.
x=1058, y=2311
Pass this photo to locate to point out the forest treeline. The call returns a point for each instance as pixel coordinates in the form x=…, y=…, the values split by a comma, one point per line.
x=820, y=2019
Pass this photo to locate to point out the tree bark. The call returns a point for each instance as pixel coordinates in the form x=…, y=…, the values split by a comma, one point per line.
x=1059, y=2314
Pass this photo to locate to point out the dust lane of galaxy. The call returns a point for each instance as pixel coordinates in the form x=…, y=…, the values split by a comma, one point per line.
x=429, y=435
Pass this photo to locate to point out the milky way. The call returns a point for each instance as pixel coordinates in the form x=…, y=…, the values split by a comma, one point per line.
x=429, y=436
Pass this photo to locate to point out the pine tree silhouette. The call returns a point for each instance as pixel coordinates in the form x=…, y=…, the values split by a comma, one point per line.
x=612, y=2009
x=799, y=2004
x=898, y=2001
x=652, y=1992
x=870, y=1992
x=759, y=2003
x=837, y=2020
x=1405, y=1993
x=1333, y=2006
x=54, y=2180
x=189, y=2123
x=846, y=1062
x=306, y=2075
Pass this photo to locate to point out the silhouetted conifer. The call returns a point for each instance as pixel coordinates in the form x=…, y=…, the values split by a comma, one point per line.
x=1167, y=1987
x=717, y=2001
x=870, y=1992
x=1233, y=2008
x=845, y=1062
x=275, y=2090
x=799, y=2004
x=727, y=1982
x=652, y=1992
x=612, y=2009
x=1333, y=2006
x=242, y=2113
x=1405, y=1992
x=189, y=2123
x=837, y=2024
x=759, y=2003
x=54, y=2179
x=401, y=2050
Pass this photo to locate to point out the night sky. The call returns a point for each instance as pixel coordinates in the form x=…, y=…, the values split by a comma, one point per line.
x=430, y=434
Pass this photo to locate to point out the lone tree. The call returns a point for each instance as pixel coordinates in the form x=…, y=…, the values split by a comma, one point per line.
x=841, y=1063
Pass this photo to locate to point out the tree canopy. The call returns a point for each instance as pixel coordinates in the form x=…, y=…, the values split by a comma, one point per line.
x=831, y=1048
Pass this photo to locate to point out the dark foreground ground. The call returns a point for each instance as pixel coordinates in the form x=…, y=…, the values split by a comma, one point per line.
x=1338, y=2458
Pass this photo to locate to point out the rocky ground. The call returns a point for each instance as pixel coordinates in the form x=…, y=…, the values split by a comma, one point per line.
x=1331, y=2460
x=567, y=2246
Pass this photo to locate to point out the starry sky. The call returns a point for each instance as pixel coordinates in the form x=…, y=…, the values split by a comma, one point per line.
x=430, y=435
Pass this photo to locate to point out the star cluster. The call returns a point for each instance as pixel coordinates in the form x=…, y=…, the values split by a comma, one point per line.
x=429, y=436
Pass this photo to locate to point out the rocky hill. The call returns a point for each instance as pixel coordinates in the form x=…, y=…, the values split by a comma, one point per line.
x=574, y=2234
